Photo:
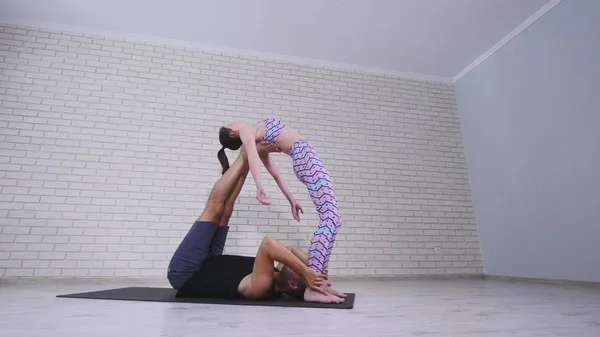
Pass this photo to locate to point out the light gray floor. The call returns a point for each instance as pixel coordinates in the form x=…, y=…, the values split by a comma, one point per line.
x=459, y=308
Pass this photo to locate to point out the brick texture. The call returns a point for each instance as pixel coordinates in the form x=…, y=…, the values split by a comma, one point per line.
x=108, y=151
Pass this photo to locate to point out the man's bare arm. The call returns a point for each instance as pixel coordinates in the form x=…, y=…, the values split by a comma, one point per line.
x=262, y=274
x=299, y=253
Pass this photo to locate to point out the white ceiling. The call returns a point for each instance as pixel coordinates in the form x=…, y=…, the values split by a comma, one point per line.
x=438, y=38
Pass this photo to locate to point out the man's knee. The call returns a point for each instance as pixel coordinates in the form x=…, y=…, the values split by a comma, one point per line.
x=213, y=211
x=227, y=212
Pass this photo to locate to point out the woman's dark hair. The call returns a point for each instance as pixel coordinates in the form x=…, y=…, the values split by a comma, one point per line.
x=232, y=143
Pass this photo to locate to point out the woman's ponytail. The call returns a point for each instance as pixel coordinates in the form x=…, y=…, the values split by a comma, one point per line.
x=223, y=159
x=229, y=142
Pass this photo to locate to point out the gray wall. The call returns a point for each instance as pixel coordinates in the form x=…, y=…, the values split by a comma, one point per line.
x=531, y=126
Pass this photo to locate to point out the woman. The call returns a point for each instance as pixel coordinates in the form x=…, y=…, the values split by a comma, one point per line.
x=308, y=168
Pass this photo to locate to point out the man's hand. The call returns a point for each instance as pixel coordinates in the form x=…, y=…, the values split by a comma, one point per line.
x=264, y=148
x=313, y=280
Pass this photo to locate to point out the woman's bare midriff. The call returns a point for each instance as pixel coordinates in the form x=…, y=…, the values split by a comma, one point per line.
x=286, y=139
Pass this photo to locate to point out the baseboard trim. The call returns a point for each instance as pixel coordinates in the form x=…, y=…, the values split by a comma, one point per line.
x=515, y=279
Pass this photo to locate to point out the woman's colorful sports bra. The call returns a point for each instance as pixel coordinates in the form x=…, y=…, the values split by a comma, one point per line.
x=273, y=128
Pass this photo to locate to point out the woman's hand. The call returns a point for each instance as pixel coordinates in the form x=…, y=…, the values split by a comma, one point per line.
x=261, y=195
x=296, y=210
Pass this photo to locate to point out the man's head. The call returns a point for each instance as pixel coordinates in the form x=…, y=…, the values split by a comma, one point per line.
x=289, y=283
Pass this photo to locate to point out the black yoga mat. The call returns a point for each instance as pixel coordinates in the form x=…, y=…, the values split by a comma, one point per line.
x=150, y=294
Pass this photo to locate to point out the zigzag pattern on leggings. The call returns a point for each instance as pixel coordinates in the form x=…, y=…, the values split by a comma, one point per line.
x=309, y=169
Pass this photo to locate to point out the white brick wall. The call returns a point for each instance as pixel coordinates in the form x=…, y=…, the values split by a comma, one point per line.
x=108, y=152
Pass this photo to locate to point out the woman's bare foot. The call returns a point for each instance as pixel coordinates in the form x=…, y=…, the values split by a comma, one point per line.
x=335, y=292
x=311, y=295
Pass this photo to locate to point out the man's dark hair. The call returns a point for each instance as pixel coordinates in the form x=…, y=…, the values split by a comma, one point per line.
x=288, y=274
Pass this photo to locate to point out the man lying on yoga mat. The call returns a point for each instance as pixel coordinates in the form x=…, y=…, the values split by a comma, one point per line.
x=198, y=267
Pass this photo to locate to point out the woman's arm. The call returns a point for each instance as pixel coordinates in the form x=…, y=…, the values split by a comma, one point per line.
x=272, y=169
x=248, y=137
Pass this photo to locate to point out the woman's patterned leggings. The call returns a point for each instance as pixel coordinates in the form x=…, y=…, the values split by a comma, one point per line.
x=310, y=170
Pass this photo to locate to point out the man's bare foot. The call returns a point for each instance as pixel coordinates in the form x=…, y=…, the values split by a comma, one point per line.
x=314, y=296
x=335, y=292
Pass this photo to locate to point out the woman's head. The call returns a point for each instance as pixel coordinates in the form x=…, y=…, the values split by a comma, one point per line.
x=229, y=139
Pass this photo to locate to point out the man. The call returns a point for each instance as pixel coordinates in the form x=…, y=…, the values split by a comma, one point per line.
x=199, y=269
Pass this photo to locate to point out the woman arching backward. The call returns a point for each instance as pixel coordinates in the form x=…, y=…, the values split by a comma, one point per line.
x=308, y=168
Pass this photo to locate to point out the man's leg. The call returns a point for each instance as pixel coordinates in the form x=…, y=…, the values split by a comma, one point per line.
x=195, y=247
x=223, y=189
x=218, y=243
